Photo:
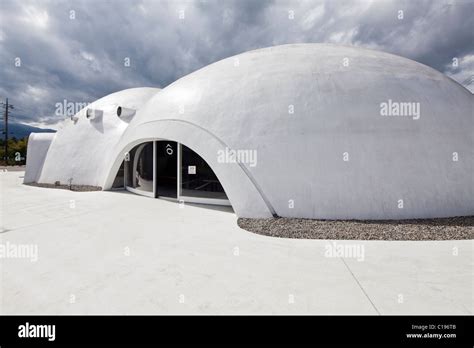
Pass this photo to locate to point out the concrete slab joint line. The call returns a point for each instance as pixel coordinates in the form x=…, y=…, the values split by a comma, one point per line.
x=435, y=278
x=360, y=285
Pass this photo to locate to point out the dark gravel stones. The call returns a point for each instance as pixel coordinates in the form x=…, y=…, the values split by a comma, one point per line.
x=417, y=229
x=79, y=188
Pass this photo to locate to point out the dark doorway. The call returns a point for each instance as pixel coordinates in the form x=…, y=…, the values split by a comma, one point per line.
x=166, y=169
x=198, y=179
x=119, y=181
x=139, y=168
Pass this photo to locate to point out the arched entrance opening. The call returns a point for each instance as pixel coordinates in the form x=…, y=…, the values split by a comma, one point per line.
x=170, y=170
x=139, y=169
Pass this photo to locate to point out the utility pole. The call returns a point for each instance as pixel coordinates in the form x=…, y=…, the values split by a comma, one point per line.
x=5, y=118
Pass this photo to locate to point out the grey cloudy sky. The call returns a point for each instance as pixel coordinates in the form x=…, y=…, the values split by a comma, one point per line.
x=81, y=59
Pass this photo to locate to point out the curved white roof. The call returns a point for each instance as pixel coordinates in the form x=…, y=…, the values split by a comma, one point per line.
x=312, y=113
x=81, y=150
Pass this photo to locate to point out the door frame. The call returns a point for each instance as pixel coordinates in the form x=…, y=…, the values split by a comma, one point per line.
x=180, y=198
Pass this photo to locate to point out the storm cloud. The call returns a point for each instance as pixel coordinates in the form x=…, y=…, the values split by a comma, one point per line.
x=51, y=51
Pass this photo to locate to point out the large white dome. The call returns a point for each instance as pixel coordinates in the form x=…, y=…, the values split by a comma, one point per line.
x=313, y=115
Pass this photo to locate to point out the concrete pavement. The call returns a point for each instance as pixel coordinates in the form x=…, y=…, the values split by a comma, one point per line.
x=118, y=253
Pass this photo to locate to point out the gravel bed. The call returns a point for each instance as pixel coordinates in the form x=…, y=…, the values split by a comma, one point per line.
x=79, y=188
x=417, y=229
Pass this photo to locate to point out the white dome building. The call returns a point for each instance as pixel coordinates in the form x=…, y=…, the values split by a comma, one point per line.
x=307, y=130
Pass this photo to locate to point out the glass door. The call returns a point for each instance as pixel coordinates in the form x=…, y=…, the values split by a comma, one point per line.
x=198, y=182
x=167, y=169
x=166, y=179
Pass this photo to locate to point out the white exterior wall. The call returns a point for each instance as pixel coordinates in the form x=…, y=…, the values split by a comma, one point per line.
x=82, y=150
x=243, y=102
x=37, y=149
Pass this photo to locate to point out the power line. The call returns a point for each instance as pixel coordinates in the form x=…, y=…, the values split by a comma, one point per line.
x=5, y=119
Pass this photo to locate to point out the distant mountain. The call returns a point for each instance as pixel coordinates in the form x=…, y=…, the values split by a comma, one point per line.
x=20, y=130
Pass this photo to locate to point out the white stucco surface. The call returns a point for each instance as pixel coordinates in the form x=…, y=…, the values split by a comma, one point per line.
x=196, y=260
x=38, y=146
x=334, y=94
x=82, y=150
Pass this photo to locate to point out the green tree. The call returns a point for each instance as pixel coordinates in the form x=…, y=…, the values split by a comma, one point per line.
x=16, y=151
